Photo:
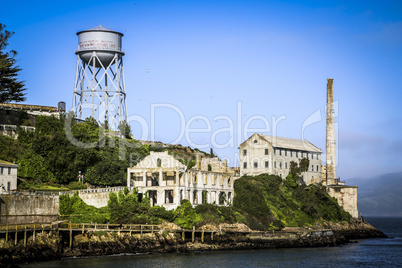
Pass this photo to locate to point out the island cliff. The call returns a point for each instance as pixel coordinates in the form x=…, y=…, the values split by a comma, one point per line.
x=53, y=246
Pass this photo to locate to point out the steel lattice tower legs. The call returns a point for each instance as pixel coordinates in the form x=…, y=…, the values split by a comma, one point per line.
x=99, y=91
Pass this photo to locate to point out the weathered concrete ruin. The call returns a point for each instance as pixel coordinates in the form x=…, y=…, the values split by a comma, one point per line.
x=168, y=181
x=14, y=116
x=18, y=209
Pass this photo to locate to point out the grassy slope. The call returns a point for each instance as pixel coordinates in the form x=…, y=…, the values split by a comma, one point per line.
x=267, y=204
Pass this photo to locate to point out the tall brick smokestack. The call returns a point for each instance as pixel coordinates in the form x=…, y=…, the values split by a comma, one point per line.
x=331, y=154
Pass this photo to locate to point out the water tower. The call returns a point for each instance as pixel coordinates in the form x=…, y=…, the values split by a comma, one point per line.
x=99, y=89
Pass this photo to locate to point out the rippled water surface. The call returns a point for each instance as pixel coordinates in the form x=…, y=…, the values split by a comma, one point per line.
x=366, y=253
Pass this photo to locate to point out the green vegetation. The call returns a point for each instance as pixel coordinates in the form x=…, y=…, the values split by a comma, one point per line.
x=49, y=156
x=75, y=210
x=267, y=202
x=10, y=88
x=128, y=208
x=295, y=171
x=187, y=216
x=262, y=202
x=10, y=149
x=75, y=185
x=125, y=130
x=38, y=185
x=134, y=208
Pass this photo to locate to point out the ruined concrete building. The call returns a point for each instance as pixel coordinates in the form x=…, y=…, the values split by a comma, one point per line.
x=14, y=116
x=269, y=154
x=168, y=181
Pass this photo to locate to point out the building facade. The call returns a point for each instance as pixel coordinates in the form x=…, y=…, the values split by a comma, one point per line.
x=167, y=181
x=269, y=154
x=8, y=176
x=14, y=116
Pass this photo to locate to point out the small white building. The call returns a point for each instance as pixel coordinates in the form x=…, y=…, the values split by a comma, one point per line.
x=168, y=181
x=269, y=154
x=8, y=176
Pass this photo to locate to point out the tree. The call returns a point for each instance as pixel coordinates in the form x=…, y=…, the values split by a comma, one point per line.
x=10, y=88
x=295, y=170
x=125, y=207
x=304, y=164
x=125, y=129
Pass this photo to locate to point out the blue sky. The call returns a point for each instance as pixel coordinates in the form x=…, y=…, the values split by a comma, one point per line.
x=256, y=61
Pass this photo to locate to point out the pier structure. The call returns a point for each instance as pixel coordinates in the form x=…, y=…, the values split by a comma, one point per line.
x=20, y=233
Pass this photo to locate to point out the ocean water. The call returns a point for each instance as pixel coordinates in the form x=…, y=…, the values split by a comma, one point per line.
x=380, y=252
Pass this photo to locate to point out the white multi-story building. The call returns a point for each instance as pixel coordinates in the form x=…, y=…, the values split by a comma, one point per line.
x=8, y=176
x=269, y=154
x=168, y=181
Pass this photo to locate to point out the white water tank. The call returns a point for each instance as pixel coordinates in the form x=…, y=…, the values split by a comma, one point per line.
x=103, y=42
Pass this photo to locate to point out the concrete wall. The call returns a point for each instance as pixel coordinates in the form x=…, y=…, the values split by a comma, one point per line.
x=347, y=198
x=97, y=197
x=15, y=209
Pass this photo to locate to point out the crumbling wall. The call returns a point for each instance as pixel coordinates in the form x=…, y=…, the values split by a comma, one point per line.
x=98, y=197
x=97, y=200
x=16, y=209
x=346, y=196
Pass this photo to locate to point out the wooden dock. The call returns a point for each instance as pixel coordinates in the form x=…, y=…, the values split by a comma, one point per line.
x=15, y=231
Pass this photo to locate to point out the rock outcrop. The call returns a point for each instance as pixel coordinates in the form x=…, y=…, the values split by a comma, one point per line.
x=53, y=246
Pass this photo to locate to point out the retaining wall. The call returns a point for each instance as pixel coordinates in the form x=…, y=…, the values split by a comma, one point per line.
x=98, y=197
x=16, y=209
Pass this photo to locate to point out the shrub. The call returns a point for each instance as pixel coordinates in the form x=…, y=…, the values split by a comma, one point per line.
x=187, y=217
x=75, y=185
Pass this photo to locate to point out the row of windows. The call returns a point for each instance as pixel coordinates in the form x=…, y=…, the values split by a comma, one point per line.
x=2, y=170
x=266, y=165
x=296, y=153
x=291, y=153
x=245, y=152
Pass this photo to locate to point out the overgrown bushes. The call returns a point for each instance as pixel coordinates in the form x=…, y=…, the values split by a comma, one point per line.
x=263, y=202
x=49, y=155
x=127, y=208
x=268, y=202
x=77, y=211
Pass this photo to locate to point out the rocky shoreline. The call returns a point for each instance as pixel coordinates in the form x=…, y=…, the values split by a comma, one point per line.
x=49, y=247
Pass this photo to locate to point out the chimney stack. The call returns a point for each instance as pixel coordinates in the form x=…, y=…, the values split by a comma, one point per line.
x=198, y=160
x=330, y=153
